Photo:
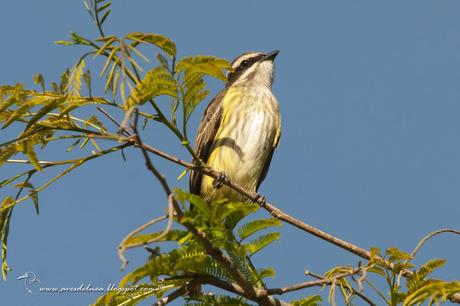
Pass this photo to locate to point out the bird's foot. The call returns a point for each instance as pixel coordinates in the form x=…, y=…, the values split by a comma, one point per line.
x=260, y=200
x=220, y=181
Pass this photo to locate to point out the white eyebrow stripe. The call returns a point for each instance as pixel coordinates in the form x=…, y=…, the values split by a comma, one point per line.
x=244, y=57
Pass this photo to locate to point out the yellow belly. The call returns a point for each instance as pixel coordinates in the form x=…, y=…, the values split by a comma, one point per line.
x=250, y=124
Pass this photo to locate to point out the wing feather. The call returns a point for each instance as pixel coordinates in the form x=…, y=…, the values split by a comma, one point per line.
x=269, y=157
x=210, y=123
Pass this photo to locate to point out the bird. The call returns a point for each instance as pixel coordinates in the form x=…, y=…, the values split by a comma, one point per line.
x=239, y=130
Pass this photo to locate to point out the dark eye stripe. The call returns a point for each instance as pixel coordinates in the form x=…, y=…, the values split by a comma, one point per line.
x=233, y=76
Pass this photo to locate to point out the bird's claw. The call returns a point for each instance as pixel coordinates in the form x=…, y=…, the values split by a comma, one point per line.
x=260, y=200
x=220, y=181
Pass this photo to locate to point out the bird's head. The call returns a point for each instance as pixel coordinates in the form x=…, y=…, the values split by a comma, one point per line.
x=252, y=69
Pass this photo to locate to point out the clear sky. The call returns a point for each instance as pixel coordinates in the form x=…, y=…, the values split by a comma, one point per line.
x=370, y=151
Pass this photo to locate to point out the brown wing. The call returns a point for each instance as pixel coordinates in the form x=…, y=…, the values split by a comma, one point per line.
x=268, y=160
x=207, y=131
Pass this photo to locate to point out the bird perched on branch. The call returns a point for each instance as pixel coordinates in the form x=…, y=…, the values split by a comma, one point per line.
x=239, y=130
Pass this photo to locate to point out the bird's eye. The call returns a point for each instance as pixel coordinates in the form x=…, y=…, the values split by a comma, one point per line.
x=245, y=63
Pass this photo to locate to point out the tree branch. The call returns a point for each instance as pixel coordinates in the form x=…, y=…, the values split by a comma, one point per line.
x=321, y=282
x=267, y=206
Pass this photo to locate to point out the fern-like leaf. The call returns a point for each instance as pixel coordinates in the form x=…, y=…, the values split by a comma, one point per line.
x=162, y=42
x=434, y=291
x=5, y=216
x=173, y=235
x=257, y=225
x=417, y=279
x=156, y=82
x=313, y=300
x=259, y=243
x=208, y=65
x=216, y=299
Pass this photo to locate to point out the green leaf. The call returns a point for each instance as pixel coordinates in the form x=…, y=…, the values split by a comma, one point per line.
x=173, y=235
x=48, y=107
x=73, y=85
x=38, y=79
x=183, y=173
x=88, y=9
x=104, y=16
x=156, y=82
x=430, y=266
x=208, y=65
x=257, y=225
x=25, y=106
x=237, y=255
x=232, y=213
x=313, y=300
x=417, y=279
x=215, y=299
x=179, y=261
x=32, y=192
x=195, y=92
x=103, y=7
x=6, y=152
x=266, y=272
x=93, y=120
x=259, y=243
x=195, y=200
x=5, y=217
x=435, y=291
x=395, y=254
x=162, y=42
x=34, y=195
x=87, y=79
x=79, y=40
x=27, y=148
x=163, y=61
x=377, y=270
x=15, y=95
x=63, y=42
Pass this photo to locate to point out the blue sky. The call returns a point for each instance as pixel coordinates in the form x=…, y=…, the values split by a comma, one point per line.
x=370, y=150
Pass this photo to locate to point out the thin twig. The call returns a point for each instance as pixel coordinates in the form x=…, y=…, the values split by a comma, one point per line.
x=110, y=117
x=41, y=162
x=74, y=165
x=353, y=290
x=320, y=282
x=431, y=235
x=122, y=248
x=96, y=19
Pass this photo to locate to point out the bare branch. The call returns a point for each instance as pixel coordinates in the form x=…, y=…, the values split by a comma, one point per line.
x=267, y=206
x=110, y=117
x=430, y=235
x=321, y=282
x=122, y=248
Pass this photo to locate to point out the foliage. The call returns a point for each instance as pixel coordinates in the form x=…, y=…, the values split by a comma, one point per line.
x=52, y=113
x=189, y=259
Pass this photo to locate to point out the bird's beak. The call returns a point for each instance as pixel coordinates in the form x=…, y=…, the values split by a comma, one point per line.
x=270, y=56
